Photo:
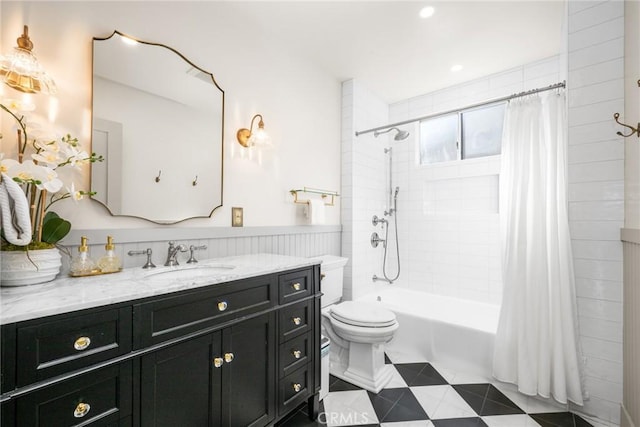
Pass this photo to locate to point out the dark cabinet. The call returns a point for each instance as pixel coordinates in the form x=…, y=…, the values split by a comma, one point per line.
x=222, y=379
x=98, y=398
x=241, y=353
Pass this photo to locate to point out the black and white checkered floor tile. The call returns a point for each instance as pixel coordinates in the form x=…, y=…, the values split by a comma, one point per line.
x=419, y=395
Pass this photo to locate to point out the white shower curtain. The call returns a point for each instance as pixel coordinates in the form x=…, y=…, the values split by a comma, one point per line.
x=537, y=345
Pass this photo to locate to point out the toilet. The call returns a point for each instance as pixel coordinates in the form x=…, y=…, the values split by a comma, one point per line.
x=358, y=331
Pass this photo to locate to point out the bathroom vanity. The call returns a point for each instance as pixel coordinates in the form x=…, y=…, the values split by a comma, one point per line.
x=231, y=342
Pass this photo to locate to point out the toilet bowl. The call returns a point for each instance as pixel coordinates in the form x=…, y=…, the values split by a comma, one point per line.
x=358, y=332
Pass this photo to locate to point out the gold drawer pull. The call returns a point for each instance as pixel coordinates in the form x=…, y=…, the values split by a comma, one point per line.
x=81, y=410
x=228, y=357
x=222, y=305
x=297, y=387
x=82, y=343
x=217, y=362
x=296, y=286
x=296, y=321
x=297, y=354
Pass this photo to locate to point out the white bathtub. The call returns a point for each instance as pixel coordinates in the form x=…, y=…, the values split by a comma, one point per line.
x=455, y=333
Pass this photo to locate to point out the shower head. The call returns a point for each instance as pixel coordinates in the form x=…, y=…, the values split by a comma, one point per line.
x=400, y=136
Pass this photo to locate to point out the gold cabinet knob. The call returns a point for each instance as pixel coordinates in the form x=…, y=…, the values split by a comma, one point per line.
x=81, y=410
x=296, y=321
x=296, y=387
x=296, y=286
x=228, y=357
x=217, y=362
x=82, y=343
x=297, y=354
x=222, y=306
x=322, y=276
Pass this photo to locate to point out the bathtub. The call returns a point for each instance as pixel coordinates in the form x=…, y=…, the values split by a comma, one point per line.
x=455, y=333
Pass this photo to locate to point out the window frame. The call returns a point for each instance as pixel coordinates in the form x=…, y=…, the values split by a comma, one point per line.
x=459, y=133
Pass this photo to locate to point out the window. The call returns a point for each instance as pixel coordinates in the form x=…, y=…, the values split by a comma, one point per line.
x=438, y=139
x=464, y=135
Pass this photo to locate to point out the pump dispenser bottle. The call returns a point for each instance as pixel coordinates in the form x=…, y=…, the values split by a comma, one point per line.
x=82, y=264
x=109, y=263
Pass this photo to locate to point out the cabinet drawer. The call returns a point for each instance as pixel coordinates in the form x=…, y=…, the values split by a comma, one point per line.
x=52, y=347
x=295, y=353
x=295, y=320
x=294, y=389
x=100, y=397
x=176, y=316
x=296, y=285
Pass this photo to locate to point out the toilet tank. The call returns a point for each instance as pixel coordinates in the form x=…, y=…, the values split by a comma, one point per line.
x=332, y=267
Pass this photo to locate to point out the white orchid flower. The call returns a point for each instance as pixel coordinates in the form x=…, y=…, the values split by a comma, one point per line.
x=7, y=164
x=76, y=195
x=50, y=158
x=18, y=106
x=43, y=177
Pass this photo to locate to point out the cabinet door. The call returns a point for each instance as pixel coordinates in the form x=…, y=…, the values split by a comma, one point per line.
x=178, y=384
x=248, y=397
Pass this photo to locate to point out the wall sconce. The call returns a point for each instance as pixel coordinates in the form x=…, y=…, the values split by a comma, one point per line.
x=247, y=138
x=21, y=70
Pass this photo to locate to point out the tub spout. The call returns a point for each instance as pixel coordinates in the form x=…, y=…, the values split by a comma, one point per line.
x=381, y=279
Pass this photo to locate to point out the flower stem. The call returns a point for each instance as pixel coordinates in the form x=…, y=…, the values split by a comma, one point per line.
x=41, y=203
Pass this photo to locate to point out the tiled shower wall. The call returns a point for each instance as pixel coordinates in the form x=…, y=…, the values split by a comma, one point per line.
x=364, y=182
x=303, y=241
x=450, y=209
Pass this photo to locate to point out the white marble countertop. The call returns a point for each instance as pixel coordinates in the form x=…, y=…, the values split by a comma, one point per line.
x=76, y=293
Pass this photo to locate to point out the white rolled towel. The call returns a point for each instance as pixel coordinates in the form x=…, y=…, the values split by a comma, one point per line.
x=14, y=212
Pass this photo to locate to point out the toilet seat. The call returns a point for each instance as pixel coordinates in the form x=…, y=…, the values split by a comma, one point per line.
x=363, y=314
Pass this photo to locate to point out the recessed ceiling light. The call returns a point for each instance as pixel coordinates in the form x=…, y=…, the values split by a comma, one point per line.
x=456, y=68
x=427, y=12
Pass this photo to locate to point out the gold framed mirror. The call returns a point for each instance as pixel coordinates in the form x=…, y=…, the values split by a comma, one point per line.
x=158, y=119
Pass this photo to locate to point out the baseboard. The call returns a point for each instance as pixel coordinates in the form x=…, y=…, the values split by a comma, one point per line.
x=625, y=418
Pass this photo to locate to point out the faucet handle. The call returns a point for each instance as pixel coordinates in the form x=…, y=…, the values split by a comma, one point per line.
x=148, y=252
x=193, y=248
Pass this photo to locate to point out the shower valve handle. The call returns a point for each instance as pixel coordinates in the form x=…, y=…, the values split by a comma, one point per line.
x=375, y=220
x=376, y=240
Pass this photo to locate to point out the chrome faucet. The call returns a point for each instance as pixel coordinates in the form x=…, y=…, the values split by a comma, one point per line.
x=172, y=252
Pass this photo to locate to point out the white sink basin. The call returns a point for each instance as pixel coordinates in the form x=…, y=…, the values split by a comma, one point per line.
x=200, y=272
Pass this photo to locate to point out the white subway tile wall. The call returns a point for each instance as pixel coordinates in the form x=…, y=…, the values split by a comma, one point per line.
x=450, y=210
x=596, y=194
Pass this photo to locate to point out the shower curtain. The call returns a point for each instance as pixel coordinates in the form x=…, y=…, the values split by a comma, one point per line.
x=537, y=345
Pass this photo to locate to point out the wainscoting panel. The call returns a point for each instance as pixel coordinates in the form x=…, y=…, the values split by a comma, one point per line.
x=302, y=241
x=630, y=416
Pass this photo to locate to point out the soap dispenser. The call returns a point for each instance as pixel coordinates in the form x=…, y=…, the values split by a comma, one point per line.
x=109, y=263
x=82, y=264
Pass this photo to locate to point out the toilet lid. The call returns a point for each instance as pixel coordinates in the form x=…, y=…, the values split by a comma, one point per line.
x=371, y=315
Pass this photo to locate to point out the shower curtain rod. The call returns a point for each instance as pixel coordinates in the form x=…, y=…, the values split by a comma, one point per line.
x=479, y=104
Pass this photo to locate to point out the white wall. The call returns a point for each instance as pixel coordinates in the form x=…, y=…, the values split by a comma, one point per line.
x=364, y=184
x=631, y=113
x=630, y=414
x=596, y=194
x=256, y=75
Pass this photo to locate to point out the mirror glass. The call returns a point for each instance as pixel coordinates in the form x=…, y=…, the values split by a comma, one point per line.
x=158, y=121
